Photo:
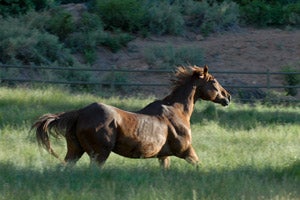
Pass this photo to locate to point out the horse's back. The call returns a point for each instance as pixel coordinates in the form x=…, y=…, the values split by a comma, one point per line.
x=96, y=114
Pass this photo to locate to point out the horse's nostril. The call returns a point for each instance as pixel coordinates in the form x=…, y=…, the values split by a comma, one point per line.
x=226, y=102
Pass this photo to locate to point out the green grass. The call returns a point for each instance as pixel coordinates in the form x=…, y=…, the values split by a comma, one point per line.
x=247, y=152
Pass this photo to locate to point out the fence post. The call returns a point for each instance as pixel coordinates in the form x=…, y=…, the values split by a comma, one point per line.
x=268, y=80
x=113, y=78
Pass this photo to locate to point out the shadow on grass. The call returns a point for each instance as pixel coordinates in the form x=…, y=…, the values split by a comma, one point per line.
x=132, y=183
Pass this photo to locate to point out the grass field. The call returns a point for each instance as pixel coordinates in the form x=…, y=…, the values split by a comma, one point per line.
x=247, y=152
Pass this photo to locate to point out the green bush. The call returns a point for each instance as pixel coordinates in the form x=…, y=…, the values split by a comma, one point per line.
x=164, y=18
x=87, y=36
x=61, y=23
x=220, y=17
x=291, y=80
x=276, y=13
x=292, y=14
x=207, y=17
x=22, y=45
x=127, y=15
x=15, y=7
x=115, y=41
x=18, y=7
x=117, y=78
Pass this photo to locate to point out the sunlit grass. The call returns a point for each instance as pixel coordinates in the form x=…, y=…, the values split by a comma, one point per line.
x=247, y=152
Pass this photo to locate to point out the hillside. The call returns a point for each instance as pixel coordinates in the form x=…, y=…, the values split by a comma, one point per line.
x=160, y=35
x=247, y=49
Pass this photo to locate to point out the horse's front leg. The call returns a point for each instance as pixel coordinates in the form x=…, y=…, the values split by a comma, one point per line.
x=164, y=162
x=191, y=157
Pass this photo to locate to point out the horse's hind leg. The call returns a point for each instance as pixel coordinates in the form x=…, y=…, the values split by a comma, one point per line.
x=74, y=151
x=191, y=157
x=164, y=162
x=98, y=145
x=100, y=156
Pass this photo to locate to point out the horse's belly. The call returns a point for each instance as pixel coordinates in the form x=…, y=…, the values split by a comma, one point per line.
x=138, y=149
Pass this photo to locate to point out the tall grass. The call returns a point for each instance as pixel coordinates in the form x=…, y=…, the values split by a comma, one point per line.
x=247, y=152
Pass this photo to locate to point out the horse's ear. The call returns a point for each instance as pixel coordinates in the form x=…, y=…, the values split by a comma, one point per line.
x=205, y=71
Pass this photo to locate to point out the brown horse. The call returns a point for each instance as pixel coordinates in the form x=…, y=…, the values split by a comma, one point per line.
x=161, y=129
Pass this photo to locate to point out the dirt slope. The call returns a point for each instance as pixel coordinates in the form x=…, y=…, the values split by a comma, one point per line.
x=244, y=50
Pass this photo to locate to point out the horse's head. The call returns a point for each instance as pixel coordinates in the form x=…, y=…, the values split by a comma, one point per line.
x=208, y=88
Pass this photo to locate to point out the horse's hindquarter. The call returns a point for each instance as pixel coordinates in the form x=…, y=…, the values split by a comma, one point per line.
x=139, y=135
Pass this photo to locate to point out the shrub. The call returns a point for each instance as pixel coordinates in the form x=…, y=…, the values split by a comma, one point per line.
x=264, y=13
x=220, y=17
x=117, y=78
x=18, y=7
x=207, y=17
x=115, y=41
x=292, y=14
x=21, y=45
x=164, y=18
x=87, y=36
x=15, y=7
x=127, y=15
x=89, y=22
x=291, y=80
x=61, y=23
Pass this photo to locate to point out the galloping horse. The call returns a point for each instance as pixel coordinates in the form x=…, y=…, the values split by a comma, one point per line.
x=161, y=129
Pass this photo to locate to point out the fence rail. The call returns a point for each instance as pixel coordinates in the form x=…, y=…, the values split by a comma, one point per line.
x=113, y=82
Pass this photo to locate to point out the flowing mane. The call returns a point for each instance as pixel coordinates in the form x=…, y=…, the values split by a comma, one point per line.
x=183, y=74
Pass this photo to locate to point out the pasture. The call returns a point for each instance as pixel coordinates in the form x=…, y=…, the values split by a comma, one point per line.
x=247, y=152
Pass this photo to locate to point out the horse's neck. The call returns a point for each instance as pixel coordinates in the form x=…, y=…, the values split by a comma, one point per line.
x=183, y=98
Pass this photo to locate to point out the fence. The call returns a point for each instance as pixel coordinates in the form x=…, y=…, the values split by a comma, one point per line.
x=265, y=79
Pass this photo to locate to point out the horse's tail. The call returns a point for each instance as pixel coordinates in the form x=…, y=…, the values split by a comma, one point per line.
x=56, y=125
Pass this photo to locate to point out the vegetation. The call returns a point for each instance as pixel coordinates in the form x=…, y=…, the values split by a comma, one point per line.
x=291, y=80
x=247, y=152
x=43, y=33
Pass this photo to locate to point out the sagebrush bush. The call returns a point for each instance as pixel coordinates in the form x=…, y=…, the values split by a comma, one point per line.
x=87, y=35
x=61, y=23
x=127, y=15
x=115, y=41
x=15, y=7
x=211, y=17
x=18, y=7
x=220, y=17
x=21, y=45
x=292, y=14
x=276, y=13
x=164, y=18
x=291, y=80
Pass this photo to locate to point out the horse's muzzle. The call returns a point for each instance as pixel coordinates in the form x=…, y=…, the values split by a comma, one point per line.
x=225, y=101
